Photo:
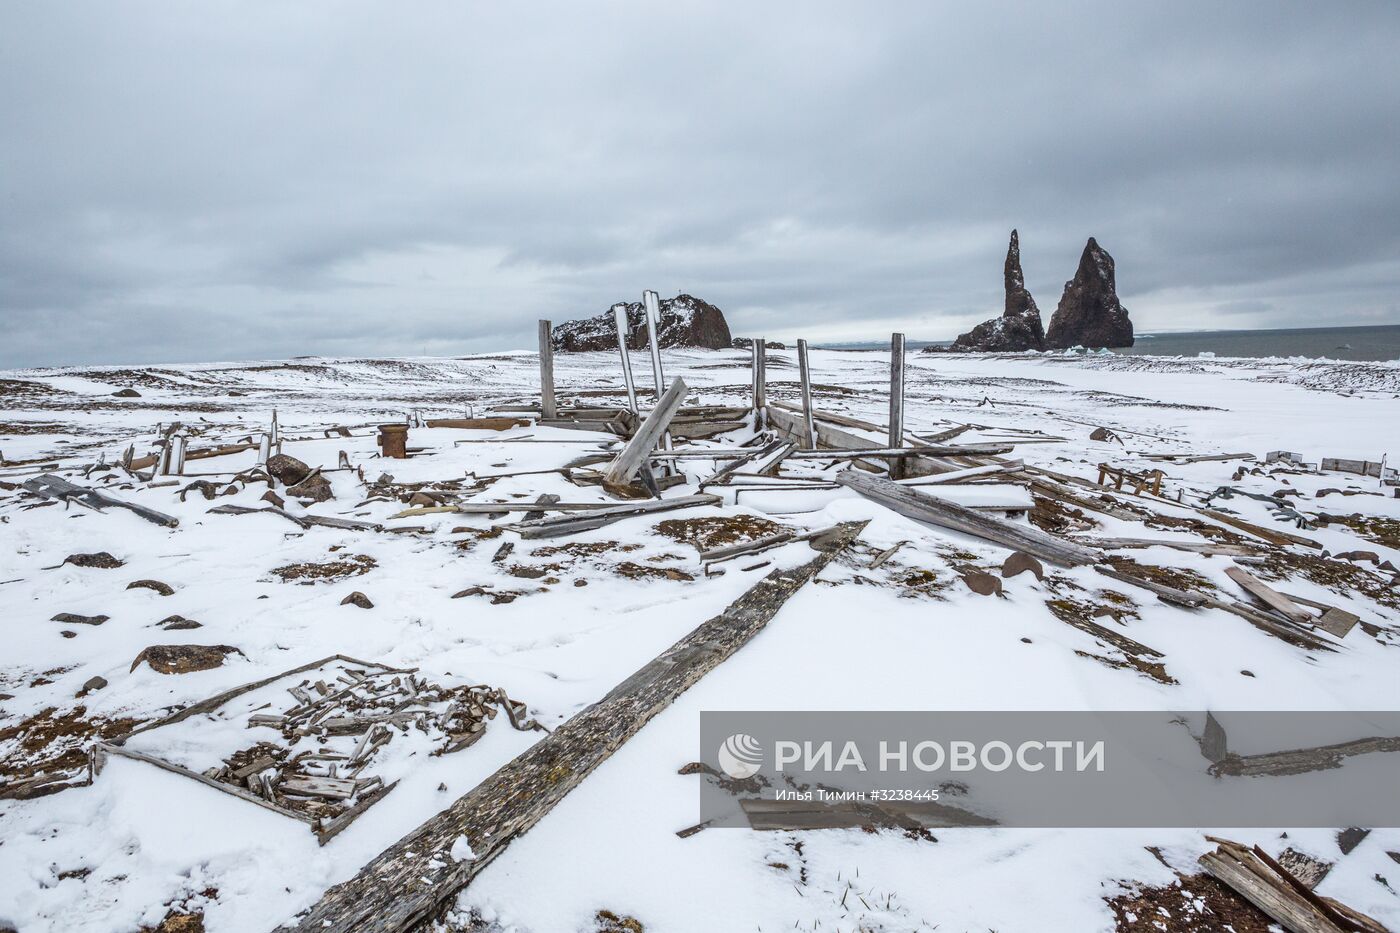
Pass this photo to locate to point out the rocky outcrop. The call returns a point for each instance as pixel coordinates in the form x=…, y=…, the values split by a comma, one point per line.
x=1019, y=326
x=686, y=321
x=746, y=343
x=1090, y=314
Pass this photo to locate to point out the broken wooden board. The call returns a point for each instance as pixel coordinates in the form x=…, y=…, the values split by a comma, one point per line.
x=479, y=424
x=407, y=882
x=629, y=460
x=946, y=514
x=305, y=521
x=1268, y=595
x=557, y=525
x=51, y=486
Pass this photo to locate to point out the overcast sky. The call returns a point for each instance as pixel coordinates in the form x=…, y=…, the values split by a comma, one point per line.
x=197, y=181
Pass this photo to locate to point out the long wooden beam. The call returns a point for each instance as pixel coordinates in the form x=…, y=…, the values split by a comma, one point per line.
x=946, y=514
x=407, y=882
x=557, y=525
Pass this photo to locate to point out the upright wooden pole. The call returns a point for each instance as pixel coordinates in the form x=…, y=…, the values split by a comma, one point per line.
x=651, y=307
x=896, y=401
x=760, y=382
x=547, y=409
x=805, y=374
x=620, y=318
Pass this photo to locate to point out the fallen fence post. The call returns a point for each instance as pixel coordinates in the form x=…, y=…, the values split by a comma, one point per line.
x=805, y=375
x=406, y=882
x=896, y=401
x=625, y=466
x=911, y=504
x=547, y=409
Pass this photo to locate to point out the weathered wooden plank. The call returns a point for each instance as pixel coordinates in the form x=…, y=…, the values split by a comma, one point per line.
x=547, y=406
x=305, y=521
x=911, y=504
x=51, y=486
x=724, y=472
x=625, y=466
x=804, y=371
x=557, y=525
x=405, y=883
x=896, y=401
x=1195, y=547
x=480, y=424
x=1268, y=595
x=1268, y=886
x=970, y=450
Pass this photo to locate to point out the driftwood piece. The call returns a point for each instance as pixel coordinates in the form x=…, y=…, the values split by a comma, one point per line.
x=51, y=486
x=558, y=525
x=305, y=521
x=1268, y=595
x=405, y=883
x=911, y=504
x=625, y=466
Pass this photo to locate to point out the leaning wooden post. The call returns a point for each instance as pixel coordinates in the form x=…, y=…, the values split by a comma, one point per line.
x=547, y=409
x=625, y=466
x=805, y=374
x=896, y=401
x=403, y=885
x=760, y=383
x=651, y=307
x=620, y=318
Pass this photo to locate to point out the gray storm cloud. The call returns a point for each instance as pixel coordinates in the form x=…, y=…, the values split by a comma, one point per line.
x=201, y=181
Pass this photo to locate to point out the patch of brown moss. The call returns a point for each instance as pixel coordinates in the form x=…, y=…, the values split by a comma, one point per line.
x=352, y=566
x=608, y=922
x=1384, y=531
x=1191, y=904
x=636, y=571
x=1339, y=576
x=1179, y=578
x=712, y=532
x=1055, y=517
x=52, y=741
x=577, y=549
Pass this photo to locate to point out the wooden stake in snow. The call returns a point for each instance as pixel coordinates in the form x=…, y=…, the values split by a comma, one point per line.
x=407, y=881
x=804, y=372
x=896, y=401
x=760, y=382
x=648, y=432
x=652, y=309
x=547, y=409
x=923, y=508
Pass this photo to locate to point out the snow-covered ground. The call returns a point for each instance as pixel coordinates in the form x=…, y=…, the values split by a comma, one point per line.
x=139, y=842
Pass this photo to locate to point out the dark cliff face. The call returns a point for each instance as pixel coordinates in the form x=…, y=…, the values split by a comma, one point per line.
x=1089, y=314
x=1019, y=326
x=686, y=321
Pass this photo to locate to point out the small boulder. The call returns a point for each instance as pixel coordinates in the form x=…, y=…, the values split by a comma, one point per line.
x=100, y=560
x=1020, y=562
x=178, y=624
x=287, y=470
x=184, y=659
x=127, y=393
x=68, y=618
x=275, y=499
x=315, y=487
x=983, y=584
x=93, y=683
x=164, y=589
x=357, y=599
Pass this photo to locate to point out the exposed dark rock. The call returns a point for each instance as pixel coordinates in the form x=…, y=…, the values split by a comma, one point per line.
x=686, y=321
x=357, y=599
x=178, y=624
x=93, y=683
x=983, y=584
x=202, y=486
x=287, y=470
x=164, y=589
x=1089, y=314
x=1020, y=562
x=746, y=343
x=275, y=499
x=184, y=659
x=68, y=618
x=101, y=560
x=127, y=393
x=1019, y=326
x=315, y=487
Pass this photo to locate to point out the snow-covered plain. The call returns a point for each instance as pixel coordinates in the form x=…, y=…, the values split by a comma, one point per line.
x=120, y=854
